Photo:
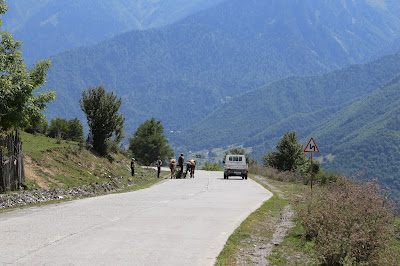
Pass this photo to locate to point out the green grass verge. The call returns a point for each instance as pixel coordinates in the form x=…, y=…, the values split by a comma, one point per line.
x=295, y=249
x=252, y=227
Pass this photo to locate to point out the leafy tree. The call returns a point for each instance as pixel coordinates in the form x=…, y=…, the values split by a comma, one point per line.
x=58, y=128
x=41, y=126
x=19, y=106
x=75, y=130
x=102, y=115
x=69, y=130
x=290, y=155
x=148, y=142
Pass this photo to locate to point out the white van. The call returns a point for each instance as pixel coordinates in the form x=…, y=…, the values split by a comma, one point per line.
x=235, y=165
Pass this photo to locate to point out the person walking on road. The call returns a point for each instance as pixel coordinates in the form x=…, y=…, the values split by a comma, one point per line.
x=181, y=160
x=159, y=164
x=133, y=166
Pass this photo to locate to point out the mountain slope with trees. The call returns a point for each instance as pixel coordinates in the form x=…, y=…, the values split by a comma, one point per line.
x=293, y=103
x=353, y=114
x=181, y=73
x=48, y=27
x=365, y=137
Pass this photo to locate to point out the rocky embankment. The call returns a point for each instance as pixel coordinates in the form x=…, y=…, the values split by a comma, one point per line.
x=22, y=198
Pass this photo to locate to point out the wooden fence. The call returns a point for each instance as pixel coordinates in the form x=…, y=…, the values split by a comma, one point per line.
x=12, y=175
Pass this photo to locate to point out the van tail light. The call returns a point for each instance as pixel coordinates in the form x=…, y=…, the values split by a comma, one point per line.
x=245, y=171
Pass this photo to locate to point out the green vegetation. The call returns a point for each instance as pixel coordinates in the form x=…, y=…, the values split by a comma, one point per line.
x=60, y=128
x=335, y=225
x=212, y=167
x=339, y=222
x=290, y=155
x=351, y=223
x=149, y=142
x=20, y=105
x=103, y=118
x=53, y=164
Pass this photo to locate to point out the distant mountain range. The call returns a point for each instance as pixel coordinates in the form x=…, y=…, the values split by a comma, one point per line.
x=48, y=27
x=181, y=73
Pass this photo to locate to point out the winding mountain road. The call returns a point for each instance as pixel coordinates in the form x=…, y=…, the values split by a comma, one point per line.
x=176, y=222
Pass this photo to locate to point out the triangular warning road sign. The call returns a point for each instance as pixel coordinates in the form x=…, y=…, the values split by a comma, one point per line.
x=311, y=146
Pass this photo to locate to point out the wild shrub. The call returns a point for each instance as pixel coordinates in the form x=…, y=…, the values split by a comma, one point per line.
x=272, y=173
x=212, y=167
x=350, y=222
x=322, y=177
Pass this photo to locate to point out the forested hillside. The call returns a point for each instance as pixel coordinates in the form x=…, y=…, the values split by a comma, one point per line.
x=292, y=103
x=353, y=114
x=48, y=27
x=365, y=137
x=181, y=73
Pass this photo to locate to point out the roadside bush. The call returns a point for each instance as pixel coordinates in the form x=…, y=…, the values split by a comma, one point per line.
x=112, y=146
x=212, y=167
x=322, y=177
x=350, y=222
x=272, y=173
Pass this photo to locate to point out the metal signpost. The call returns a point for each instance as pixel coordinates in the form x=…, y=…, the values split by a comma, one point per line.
x=312, y=148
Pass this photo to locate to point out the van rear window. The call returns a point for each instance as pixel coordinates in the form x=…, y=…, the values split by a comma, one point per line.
x=235, y=158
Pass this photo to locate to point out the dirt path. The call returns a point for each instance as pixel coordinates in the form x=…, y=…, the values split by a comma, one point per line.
x=260, y=246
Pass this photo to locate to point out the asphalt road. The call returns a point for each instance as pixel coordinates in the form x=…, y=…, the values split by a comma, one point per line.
x=176, y=222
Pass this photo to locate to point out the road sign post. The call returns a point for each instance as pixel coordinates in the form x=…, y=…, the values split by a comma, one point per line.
x=311, y=148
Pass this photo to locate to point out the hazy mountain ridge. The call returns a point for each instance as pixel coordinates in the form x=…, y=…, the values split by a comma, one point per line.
x=49, y=27
x=188, y=69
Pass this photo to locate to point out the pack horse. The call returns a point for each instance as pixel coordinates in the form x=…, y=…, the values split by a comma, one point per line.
x=172, y=166
x=190, y=167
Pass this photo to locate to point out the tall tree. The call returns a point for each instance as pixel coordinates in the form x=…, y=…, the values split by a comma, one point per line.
x=58, y=128
x=290, y=155
x=75, y=130
x=102, y=115
x=19, y=106
x=148, y=142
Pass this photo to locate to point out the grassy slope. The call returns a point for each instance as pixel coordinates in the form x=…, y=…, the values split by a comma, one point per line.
x=49, y=164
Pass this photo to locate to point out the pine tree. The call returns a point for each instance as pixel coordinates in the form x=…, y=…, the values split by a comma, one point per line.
x=290, y=155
